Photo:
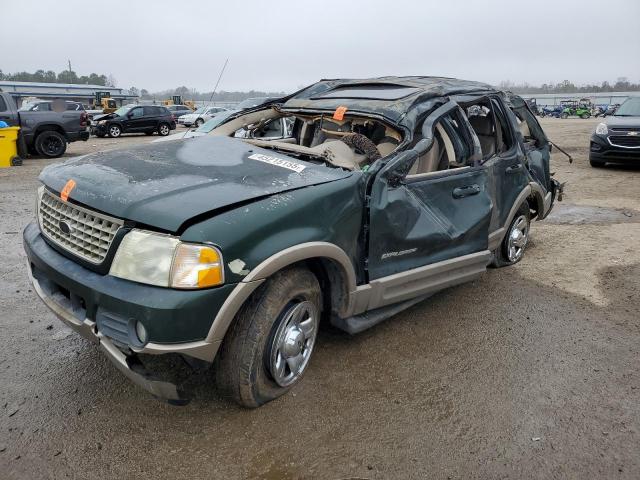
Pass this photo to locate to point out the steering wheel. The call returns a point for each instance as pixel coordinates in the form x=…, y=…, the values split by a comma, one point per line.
x=362, y=144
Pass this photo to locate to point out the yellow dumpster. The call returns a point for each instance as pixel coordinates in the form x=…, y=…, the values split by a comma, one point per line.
x=8, y=145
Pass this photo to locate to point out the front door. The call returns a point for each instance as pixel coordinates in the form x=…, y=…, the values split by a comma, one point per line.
x=134, y=120
x=431, y=207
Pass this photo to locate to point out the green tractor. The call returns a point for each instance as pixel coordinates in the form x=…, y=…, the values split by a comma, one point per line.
x=576, y=108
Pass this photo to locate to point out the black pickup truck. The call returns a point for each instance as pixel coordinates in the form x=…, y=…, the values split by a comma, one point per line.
x=45, y=133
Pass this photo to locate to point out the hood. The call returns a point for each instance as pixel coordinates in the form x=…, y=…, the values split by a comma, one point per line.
x=192, y=116
x=106, y=116
x=622, y=121
x=180, y=136
x=165, y=185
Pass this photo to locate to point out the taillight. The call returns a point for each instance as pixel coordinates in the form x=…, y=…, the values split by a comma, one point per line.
x=84, y=118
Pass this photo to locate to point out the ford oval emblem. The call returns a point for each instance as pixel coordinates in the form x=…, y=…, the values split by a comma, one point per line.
x=65, y=227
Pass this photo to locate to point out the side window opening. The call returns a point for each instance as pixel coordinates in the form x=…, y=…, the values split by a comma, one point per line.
x=450, y=148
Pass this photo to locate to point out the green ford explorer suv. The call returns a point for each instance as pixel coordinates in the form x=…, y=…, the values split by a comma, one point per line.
x=230, y=249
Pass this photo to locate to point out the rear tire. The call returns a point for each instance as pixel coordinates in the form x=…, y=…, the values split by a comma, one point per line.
x=269, y=344
x=50, y=144
x=513, y=245
x=164, y=129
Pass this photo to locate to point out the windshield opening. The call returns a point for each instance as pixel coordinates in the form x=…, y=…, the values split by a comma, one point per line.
x=353, y=142
x=630, y=108
x=122, y=111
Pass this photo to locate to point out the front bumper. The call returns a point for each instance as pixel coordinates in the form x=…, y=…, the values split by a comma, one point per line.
x=601, y=150
x=89, y=302
x=98, y=129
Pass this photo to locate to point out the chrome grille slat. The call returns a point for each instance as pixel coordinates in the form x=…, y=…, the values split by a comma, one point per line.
x=91, y=232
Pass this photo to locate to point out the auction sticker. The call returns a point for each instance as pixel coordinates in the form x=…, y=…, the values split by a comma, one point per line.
x=278, y=162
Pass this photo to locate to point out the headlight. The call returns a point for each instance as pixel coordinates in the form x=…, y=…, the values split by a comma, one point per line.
x=602, y=129
x=101, y=122
x=163, y=260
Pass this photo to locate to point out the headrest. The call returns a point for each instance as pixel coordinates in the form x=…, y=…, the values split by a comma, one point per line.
x=482, y=125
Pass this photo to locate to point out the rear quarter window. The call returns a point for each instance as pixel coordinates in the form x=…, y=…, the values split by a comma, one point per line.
x=3, y=105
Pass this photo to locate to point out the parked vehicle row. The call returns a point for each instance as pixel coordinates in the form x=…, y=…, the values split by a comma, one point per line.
x=212, y=248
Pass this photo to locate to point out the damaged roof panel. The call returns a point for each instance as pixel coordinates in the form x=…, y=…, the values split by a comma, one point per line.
x=390, y=97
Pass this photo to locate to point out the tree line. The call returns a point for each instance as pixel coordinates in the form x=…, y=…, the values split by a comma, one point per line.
x=66, y=76
x=622, y=84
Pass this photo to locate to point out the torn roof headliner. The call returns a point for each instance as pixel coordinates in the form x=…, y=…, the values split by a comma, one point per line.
x=426, y=91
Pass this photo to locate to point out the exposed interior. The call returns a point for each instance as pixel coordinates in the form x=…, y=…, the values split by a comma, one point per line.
x=352, y=142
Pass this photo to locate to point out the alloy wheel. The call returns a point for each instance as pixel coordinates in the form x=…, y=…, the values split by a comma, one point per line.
x=518, y=238
x=293, y=343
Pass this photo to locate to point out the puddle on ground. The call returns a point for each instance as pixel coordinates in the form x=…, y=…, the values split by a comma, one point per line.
x=586, y=214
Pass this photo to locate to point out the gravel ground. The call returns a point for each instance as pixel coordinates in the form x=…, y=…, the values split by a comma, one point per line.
x=529, y=372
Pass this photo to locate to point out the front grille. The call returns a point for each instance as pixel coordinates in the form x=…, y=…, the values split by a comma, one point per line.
x=625, y=140
x=625, y=129
x=90, y=233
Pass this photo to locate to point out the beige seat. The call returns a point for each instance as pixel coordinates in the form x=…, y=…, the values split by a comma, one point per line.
x=429, y=162
x=483, y=126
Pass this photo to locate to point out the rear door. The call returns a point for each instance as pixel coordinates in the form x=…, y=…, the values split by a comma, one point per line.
x=431, y=207
x=502, y=157
x=7, y=114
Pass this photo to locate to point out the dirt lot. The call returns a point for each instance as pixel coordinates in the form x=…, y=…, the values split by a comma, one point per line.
x=529, y=372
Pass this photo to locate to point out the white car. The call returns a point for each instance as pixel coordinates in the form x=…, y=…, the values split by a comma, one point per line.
x=200, y=116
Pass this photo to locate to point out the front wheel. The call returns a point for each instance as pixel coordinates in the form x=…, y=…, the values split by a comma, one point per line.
x=584, y=116
x=164, y=129
x=268, y=347
x=199, y=122
x=564, y=115
x=51, y=144
x=515, y=241
x=115, y=131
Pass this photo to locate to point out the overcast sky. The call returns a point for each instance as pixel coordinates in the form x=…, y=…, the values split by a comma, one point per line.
x=281, y=45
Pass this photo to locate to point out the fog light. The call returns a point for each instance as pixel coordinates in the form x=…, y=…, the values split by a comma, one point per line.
x=141, y=332
x=595, y=147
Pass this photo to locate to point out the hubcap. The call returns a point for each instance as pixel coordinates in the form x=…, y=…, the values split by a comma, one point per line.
x=115, y=131
x=293, y=342
x=518, y=238
x=164, y=129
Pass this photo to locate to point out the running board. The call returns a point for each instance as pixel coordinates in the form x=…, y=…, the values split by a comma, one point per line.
x=366, y=320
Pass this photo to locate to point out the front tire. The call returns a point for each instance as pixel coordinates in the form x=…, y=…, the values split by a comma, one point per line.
x=564, y=115
x=164, y=129
x=198, y=122
x=50, y=144
x=513, y=245
x=268, y=346
x=114, y=131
